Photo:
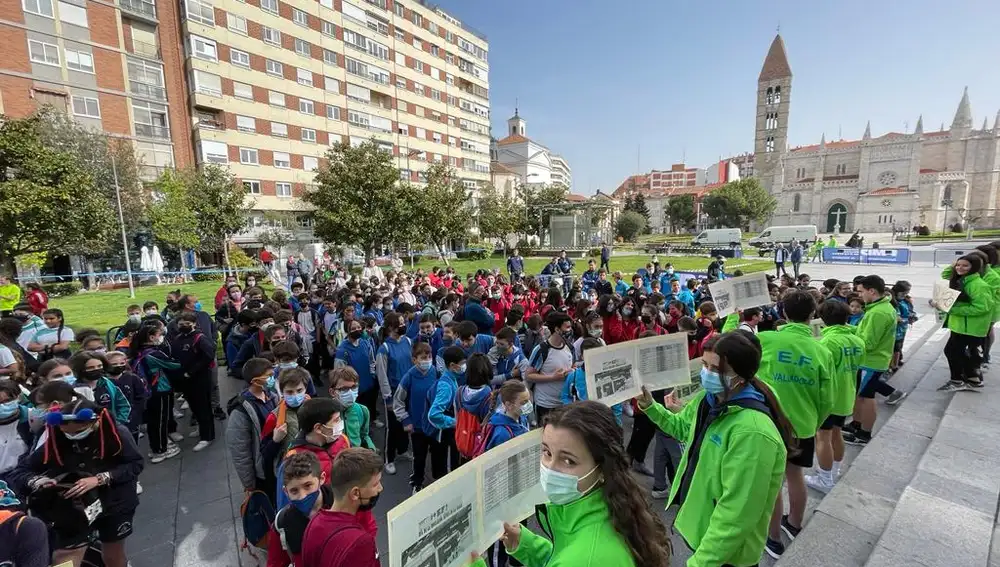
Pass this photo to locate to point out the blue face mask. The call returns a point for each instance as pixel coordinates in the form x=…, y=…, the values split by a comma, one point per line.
x=295, y=400
x=424, y=365
x=197, y=306
x=349, y=397
x=711, y=382
x=70, y=379
x=80, y=435
x=305, y=505
x=8, y=409
x=270, y=383
x=562, y=488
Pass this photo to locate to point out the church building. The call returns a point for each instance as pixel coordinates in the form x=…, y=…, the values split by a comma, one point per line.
x=875, y=184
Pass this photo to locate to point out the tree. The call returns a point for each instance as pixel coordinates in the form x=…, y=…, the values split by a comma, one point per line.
x=357, y=200
x=738, y=203
x=680, y=212
x=639, y=206
x=279, y=231
x=630, y=224
x=499, y=215
x=221, y=205
x=172, y=214
x=442, y=207
x=48, y=201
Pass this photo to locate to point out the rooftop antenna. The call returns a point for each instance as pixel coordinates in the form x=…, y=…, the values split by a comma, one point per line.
x=840, y=132
x=515, y=106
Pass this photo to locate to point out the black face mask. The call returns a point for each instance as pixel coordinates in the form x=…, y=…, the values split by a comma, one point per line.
x=354, y=335
x=371, y=503
x=402, y=329
x=22, y=317
x=116, y=370
x=93, y=375
x=185, y=328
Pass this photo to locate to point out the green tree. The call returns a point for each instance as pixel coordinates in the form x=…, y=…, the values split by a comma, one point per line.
x=738, y=203
x=172, y=213
x=358, y=200
x=629, y=225
x=639, y=206
x=499, y=215
x=48, y=200
x=680, y=212
x=442, y=208
x=221, y=205
x=279, y=232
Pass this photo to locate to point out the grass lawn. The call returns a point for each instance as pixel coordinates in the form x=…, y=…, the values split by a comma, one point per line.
x=105, y=309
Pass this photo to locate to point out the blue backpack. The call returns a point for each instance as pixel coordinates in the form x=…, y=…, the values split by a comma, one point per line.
x=257, y=512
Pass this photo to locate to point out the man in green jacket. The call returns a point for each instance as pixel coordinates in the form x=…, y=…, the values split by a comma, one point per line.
x=878, y=331
x=798, y=370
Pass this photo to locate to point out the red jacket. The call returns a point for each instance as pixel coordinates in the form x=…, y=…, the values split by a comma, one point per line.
x=500, y=308
x=221, y=296
x=38, y=300
x=336, y=539
x=618, y=329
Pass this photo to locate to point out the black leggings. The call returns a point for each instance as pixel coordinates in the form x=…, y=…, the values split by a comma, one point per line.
x=369, y=399
x=159, y=411
x=965, y=355
x=396, y=440
x=642, y=433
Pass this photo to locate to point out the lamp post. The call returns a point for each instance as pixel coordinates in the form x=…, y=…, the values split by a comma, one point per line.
x=121, y=221
x=946, y=203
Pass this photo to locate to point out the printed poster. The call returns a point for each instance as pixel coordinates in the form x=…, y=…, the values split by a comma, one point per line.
x=736, y=294
x=944, y=297
x=617, y=373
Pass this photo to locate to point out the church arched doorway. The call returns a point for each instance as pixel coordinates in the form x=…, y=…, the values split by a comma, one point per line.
x=836, y=218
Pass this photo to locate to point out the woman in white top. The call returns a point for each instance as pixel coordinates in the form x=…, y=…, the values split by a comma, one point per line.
x=372, y=271
x=54, y=339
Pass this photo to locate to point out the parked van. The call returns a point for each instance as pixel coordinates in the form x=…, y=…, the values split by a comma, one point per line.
x=718, y=237
x=804, y=234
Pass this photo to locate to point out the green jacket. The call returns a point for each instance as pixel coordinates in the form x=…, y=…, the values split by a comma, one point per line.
x=738, y=473
x=731, y=323
x=799, y=371
x=992, y=279
x=972, y=316
x=846, y=352
x=878, y=330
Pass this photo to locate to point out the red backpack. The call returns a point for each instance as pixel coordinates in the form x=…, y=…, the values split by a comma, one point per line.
x=469, y=431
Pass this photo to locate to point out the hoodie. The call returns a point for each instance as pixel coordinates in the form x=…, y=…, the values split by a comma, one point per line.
x=434, y=340
x=504, y=364
x=441, y=413
x=477, y=401
x=360, y=357
x=480, y=315
x=503, y=428
x=234, y=342
x=410, y=404
x=394, y=359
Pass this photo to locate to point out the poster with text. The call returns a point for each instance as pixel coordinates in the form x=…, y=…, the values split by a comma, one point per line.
x=723, y=296
x=511, y=485
x=944, y=297
x=617, y=373
x=663, y=361
x=740, y=293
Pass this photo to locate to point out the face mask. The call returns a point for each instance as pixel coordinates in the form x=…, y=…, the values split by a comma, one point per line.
x=527, y=408
x=567, y=335
x=627, y=311
x=8, y=409
x=295, y=400
x=79, y=435
x=461, y=369
x=335, y=431
x=447, y=341
x=711, y=382
x=186, y=328
x=197, y=306
x=305, y=505
x=151, y=312
x=116, y=370
x=93, y=375
x=349, y=397
x=37, y=414
x=288, y=365
x=424, y=365
x=354, y=335
x=561, y=488
x=270, y=383
x=158, y=340
x=401, y=330
x=596, y=333
x=135, y=317
x=371, y=502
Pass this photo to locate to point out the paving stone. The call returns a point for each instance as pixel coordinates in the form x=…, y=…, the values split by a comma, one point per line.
x=828, y=542
x=205, y=514
x=981, y=404
x=973, y=497
x=938, y=532
x=867, y=512
x=157, y=556
x=995, y=548
x=884, y=557
x=204, y=492
x=148, y=534
x=886, y=465
x=206, y=546
x=914, y=421
x=962, y=466
x=970, y=433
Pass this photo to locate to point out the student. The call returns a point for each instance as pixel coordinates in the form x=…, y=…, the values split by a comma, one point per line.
x=857, y=307
x=84, y=440
x=752, y=317
x=244, y=327
x=905, y=315
x=799, y=371
x=476, y=396
x=307, y=490
x=282, y=425
x=550, y=363
x=969, y=321
x=336, y=537
x=410, y=405
x=991, y=275
x=593, y=327
x=393, y=361
x=358, y=353
x=726, y=497
x=441, y=414
x=134, y=389
x=248, y=412
x=575, y=386
x=506, y=358
x=596, y=514
x=147, y=359
x=90, y=370
x=472, y=342
x=15, y=437
x=53, y=340
x=30, y=323
x=24, y=540
x=195, y=351
x=286, y=357
x=846, y=353
x=357, y=419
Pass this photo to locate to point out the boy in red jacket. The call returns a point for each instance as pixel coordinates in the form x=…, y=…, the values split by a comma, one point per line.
x=335, y=536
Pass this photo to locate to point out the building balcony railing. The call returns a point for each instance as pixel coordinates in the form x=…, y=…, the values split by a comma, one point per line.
x=146, y=10
x=147, y=91
x=151, y=131
x=147, y=50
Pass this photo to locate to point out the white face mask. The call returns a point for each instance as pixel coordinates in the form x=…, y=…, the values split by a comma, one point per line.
x=562, y=488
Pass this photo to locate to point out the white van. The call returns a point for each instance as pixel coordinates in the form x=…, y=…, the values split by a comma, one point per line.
x=718, y=237
x=804, y=234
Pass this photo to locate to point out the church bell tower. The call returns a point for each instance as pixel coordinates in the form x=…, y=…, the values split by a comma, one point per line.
x=774, y=89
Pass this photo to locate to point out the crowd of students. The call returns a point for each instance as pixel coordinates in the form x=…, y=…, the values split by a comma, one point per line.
x=451, y=367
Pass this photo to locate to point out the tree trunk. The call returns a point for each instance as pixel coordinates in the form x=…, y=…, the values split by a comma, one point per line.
x=225, y=255
x=440, y=249
x=9, y=267
x=88, y=265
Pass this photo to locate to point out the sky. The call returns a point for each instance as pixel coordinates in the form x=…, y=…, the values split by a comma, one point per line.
x=619, y=87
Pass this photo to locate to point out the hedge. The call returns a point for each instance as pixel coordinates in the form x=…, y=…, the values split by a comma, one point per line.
x=62, y=289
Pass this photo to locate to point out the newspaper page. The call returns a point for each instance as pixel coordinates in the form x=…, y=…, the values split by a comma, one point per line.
x=441, y=525
x=511, y=485
x=611, y=373
x=723, y=296
x=663, y=361
x=751, y=290
x=944, y=296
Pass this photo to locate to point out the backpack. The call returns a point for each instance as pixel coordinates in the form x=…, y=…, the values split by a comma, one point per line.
x=469, y=431
x=257, y=513
x=484, y=435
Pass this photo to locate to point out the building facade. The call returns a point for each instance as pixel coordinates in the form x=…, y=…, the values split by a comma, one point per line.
x=533, y=163
x=875, y=184
x=114, y=67
x=561, y=173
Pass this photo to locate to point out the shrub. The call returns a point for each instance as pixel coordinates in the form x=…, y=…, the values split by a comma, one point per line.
x=957, y=227
x=524, y=248
x=62, y=289
x=473, y=254
x=594, y=253
x=923, y=230
x=206, y=277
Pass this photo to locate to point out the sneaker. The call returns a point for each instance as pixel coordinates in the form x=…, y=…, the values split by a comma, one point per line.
x=194, y=434
x=858, y=439
x=661, y=494
x=390, y=468
x=895, y=397
x=951, y=386
x=138, y=487
x=201, y=445
x=790, y=530
x=379, y=423
x=641, y=468
x=157, y=457
x=774, y=548
x=849, y=428
x=817, y=483
x=172, y=451
x=964, y=387
x=176, y=437
x=415, y=489
x=976, y=385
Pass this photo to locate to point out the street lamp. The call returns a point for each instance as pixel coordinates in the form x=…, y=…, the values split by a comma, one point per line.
x=946, y=203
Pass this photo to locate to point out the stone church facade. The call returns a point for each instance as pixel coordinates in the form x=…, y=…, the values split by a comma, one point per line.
x=875, y=184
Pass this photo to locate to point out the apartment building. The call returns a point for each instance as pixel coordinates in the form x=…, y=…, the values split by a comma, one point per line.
x=561, y=173
x=114, y=67
x=274, y=83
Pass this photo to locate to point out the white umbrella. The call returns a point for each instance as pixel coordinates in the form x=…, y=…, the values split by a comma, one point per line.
x=156, y=260
x=145, y=263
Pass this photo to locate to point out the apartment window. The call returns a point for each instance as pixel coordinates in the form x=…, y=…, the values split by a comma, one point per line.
x=331, y=85
x=404, y=174
x=86, y=106
x=72, y=14
x=449, y=58
x=842, y=169
x=249, y=156
x=246, y=124
x=274, y=68
x=377, y=24
x=237, y=57
x=453, y=161
x=243, y=90
x=279, y=129
x=269, y=6
x=358, y=118
x=206, y=49
x=282, y=161
x=44, y=53
x=276, y=98
x=400, y=34
x=402, y=129
x=282, y=189
x=769, y=144
x=449, y=37
x=309, y=163
x=300, y=17
x=376, y=49
x=421, y=133
x=207, y=83
x=434, y=50
x=433, y=27
x=417, y=43
x=79, y=61
x=201, y=11
x=329, y=57
x=437, y=137
x=452, y=141
x=302, y=47
x=400, y=58
x=399, y=9
x=328, y=28
x=39, y=7
x=236, y=23
x=332, y=112
x=436, y=95
x=418, y=65
x=150, y=119
x=306, y=106
x=418, y=19
x=400, y=82
x=309, y=135
x=146, y=79
x=355, y=40
x=214, y=152
x=304, y=77
x=418, y=88
x=251, y=186
x=270, y=35
x=326, y=3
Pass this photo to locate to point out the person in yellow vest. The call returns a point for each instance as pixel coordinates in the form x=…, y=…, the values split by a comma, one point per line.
x=10, y=295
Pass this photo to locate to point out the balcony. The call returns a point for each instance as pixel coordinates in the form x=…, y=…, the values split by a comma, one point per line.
x=151, y=131
x=143, y=90
x=143, y=9
x=147, y=50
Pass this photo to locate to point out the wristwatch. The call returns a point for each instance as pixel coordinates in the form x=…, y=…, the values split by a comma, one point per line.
x=103, y=479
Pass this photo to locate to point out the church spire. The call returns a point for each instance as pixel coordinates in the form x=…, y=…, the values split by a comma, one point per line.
x=822, y=141
x=985, y=124
x=920, y=125
x=868, y=131
x=776, y=63
x=963, y=115
x=996, y=124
